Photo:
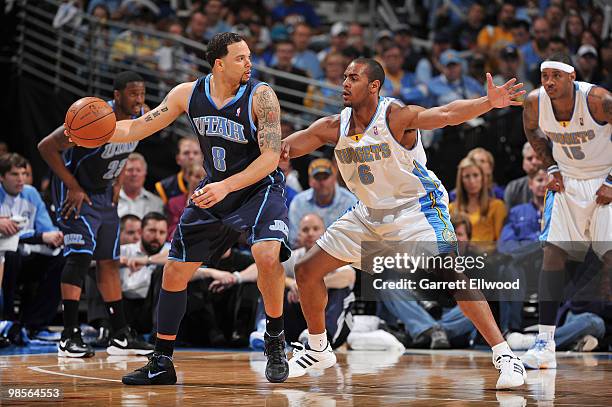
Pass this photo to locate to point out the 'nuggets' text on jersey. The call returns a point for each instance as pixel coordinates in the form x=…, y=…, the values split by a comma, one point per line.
x=364, y=154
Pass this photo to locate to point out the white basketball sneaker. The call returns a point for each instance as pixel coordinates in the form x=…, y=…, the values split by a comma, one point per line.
x=541, y=355
x=305, y=359
x=511, y=372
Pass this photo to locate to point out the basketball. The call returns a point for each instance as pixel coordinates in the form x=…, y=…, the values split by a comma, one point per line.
x=90, y=122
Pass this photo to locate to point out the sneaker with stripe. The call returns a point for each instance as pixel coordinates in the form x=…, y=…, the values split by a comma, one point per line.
x=305, y=359
x=511, y=372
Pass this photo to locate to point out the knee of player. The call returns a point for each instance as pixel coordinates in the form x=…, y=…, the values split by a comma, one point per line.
x=174, y=278
x=266, y=261
x=76, y=268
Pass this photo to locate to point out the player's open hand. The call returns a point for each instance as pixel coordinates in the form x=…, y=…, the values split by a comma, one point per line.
x=604, y=195
x=555, y=182
x=210, y=194
x=74, y=202
x=504, y=95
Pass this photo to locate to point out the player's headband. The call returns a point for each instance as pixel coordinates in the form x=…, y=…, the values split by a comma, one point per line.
x=557, y=65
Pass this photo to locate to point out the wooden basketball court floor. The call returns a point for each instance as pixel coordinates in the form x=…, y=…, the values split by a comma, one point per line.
x=416, y=378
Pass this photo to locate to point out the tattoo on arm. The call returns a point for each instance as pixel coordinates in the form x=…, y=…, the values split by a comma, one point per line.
x=607, y=108
x=268, y=120
x=535, y=136
x=162, y=108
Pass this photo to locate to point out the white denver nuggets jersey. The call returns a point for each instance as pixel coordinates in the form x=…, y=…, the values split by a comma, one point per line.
x=377, y=169
x=581, y=147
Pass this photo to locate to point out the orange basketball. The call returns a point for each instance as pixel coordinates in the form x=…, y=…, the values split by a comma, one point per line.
x=90, y=122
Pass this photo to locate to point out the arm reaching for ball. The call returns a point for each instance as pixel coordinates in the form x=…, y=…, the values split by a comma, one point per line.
x=162, y=116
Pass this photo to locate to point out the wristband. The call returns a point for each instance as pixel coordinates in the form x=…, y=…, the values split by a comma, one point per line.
x=238, y=277
x=608, y=180
x=552, y=169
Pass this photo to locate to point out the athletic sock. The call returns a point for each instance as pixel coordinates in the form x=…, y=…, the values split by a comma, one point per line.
x=317, y=342
x=71, y=316
x=164, y=346
x=274, y=326
x=502, y=349
x=548, y=330
x=116, y=314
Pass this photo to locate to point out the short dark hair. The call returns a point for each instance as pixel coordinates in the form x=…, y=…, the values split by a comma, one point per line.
x=125, y=77
x=217, y=47
x=10, y=160
x=560, y=57
x=283, y=41
x=519, y=22
x=375, y=71
x=127, y=217
x=558, y=40
x=156, y=216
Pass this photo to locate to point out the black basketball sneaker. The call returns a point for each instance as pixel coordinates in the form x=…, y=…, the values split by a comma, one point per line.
x=71, y=345
x=125, y=342
x=277, y=367
x=159, y=370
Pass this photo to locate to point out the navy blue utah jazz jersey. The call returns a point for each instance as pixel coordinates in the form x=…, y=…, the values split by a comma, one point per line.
x=96, y=168
x=227, y=135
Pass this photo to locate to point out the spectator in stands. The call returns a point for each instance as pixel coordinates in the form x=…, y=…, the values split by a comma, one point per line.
x=357, y=41
x=465, y=35
x=133, y=47
x=134, y=199
x=214, y=14
x=486, y=161
x=588, y=65
x=291, y=12
x=517, y=191
x=402, y=36
x=511, y=66
x=285, y=51
x=398, y=83
x=324, y=198
x=138, y=262
x=339, y=285
x=188, y=153
x=174, y=209
x=339, y=40
x=606, y=62
x=554, y=15
x=172, y=56
x=304, y=57
x=536, y=50
x=384, y=40
x=453, y=84
x=589, y=38
x=596, y=23
x=520, y=33
x=574, y=26
x=130, y=229
x=34, y=258
x=330, y=100
x=196, y=28
x=476, y=68
x=492, y=38
x=486, y=214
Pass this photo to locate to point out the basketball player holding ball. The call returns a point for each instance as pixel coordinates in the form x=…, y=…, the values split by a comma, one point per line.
x=86, y=211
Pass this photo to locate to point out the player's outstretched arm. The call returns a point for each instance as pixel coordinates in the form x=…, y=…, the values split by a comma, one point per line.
x=162, y=116
x=459, y=111
x=319, y=133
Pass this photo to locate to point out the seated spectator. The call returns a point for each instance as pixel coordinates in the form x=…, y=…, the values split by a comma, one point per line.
x=189, y=152
x=429, y=66
x=334, y=65
x=493, y=38
x=130, y=229
x=339, y=40
x=34, y=258
x=465, y=35
x=135, y=48
x=357, y=41
x=134, y=199
x=486, y=214
x=285, y=51
x=399, y=83
x=214, y=15
x=587, y=66
x=554, y=15
x=291, y=12
x=304, y=57
x=453, y=84
x=198, y=23
x=174, y=209
x=574, y=27
x=606, y=62
x=485, y=159
x=138, y=262
x=520, y=33
x=517, y=191
x=402, y=35
x=339, y=285
x=511, y=66
x=535, y=51
x=324, y=198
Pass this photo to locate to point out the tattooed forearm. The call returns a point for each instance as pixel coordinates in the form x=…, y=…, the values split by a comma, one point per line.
x=534, y=135
x=267, y=110
x=162, y=108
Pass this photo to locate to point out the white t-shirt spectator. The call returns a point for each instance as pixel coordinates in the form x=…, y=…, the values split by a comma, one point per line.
x=144, y=203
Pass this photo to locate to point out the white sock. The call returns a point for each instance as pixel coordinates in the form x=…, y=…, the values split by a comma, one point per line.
x=317, y=341
x=549, y=330
x=502, y=349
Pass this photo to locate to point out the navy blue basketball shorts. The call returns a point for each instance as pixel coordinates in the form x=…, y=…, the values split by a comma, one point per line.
x=201, y=236
x=95, y=231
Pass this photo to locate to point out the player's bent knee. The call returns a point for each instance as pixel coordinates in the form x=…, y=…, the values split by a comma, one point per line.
x=266, y=261
x=177, y=275
x=75, y=269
